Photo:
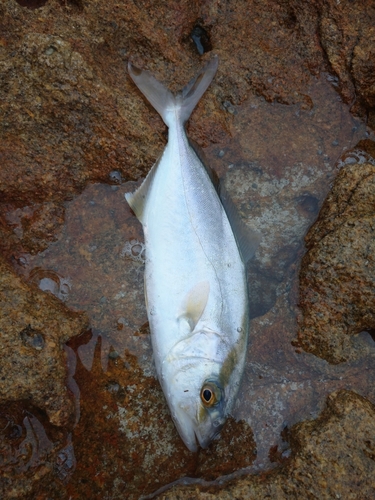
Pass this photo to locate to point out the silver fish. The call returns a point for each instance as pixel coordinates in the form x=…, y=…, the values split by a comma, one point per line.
x=195, y=282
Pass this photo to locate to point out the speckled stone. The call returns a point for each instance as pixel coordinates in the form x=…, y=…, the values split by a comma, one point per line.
x=332, y=457
x=124, y=418
x=338, y=271
x=33, y=328
x=70, y=117
x=70, y=114
x=347, y=36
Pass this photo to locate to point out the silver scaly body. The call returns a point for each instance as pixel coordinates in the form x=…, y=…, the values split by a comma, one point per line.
x=195, y=283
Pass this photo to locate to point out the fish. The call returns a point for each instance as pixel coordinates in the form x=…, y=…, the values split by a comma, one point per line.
x=195, y=271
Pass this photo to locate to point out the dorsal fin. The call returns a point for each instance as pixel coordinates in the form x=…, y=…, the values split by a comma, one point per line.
x=137, y=200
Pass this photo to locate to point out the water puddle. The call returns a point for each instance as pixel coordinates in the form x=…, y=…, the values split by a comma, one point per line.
x=31, y=448
x=278, y=164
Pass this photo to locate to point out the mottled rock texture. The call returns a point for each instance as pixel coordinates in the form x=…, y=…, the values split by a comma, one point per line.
x=319, y=467
x=338, y=272
x=125, y=426
x=70, y=114
x=33, y=328
x=32, y=452
x=347, y=35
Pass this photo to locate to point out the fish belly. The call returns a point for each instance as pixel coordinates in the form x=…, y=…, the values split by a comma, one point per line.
x=189, y=243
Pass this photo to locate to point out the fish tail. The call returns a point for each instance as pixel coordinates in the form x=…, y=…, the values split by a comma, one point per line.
x=168, y=105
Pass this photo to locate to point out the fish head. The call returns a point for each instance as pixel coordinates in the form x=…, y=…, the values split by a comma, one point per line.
x=198, y=395
x=197, y=403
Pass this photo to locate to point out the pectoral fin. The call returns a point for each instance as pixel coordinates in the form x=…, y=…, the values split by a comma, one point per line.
x=195, y=303
x=137, y=200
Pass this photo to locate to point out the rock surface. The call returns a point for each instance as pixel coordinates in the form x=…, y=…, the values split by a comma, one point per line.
x=33, y=329
x=348, y=38
x=125, y=426
x=70, y=114
x=318, y=467
x=338, y=271
x=33, y=374
x=273, y=128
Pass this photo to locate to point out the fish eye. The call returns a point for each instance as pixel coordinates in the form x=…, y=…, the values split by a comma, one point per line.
x=207, y=395
x=210, y=395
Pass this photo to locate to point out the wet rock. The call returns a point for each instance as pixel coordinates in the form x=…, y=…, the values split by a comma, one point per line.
x=233, y=450
x=31, y=451
x=337, y=274
x=32, y=227
x=332, y=457
x=124, y=417
x=33, y=327
x=125, y=421
x=71, y=116
x=271, y=206
x=278, y=191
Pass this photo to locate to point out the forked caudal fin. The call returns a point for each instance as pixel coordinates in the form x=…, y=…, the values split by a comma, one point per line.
x=168, y=104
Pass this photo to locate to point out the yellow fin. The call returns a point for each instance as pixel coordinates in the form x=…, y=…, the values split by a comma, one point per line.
x=195, y=303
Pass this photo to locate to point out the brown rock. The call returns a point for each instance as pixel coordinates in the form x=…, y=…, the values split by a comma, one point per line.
x=348, y=37
x=125, y=426
x=33, y=452
x=70, y=114
x=337, y=275
x=124, y=418
x=34, y=226
x=234, y=450
x=332, y=457
x=33, y=328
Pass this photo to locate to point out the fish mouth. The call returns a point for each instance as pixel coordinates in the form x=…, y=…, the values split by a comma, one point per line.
x=192, y=435
x=191, y=441
x=186, y=429
x=200, y=441
x=204, y=442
